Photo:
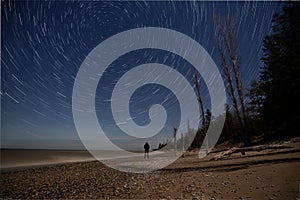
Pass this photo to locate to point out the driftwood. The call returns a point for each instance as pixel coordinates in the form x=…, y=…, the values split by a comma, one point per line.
x=244, y=149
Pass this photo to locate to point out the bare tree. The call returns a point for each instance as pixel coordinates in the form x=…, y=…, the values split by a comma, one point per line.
x=226, y=44
x=203, y=119
x=196, y=81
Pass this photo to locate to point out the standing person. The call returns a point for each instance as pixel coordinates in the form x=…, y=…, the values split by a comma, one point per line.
x=146, y=147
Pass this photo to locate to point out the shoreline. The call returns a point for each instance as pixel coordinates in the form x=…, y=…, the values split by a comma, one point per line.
x=267, y=174
x=46, y=158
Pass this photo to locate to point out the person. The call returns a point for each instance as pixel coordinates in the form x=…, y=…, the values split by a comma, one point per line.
x=146, y=147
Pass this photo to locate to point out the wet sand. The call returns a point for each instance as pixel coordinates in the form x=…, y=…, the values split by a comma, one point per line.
x=268, y=174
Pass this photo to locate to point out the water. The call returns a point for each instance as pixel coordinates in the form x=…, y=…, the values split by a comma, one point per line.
x=15, y=159
x=23, y=158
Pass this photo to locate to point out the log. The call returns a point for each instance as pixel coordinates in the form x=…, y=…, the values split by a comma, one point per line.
x=243, y=150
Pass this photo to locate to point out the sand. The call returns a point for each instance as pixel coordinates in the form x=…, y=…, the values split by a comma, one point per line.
x=268, y=174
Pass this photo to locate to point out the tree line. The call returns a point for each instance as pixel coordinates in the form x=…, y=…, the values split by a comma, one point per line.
x=269, y=108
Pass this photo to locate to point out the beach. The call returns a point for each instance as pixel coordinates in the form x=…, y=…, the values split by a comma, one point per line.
x=266, y=174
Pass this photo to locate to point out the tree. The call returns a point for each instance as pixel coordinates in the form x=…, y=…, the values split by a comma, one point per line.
x=256, y=98
x=230, y=129
x=207, y=117
x=255, y=104
x=200, y=135
x=225, y=30
x=280, y=75
x=197, y=85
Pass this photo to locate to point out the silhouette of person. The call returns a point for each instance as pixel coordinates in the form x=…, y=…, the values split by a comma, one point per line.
x=146, y=147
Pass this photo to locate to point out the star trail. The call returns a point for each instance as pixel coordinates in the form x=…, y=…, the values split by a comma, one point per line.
x=43, y=44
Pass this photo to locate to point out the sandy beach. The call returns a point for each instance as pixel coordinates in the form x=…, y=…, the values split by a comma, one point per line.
x=267, y=174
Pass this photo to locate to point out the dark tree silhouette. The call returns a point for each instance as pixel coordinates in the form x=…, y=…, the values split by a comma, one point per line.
x=280, y=76
x=256, y=98
x=207, y=117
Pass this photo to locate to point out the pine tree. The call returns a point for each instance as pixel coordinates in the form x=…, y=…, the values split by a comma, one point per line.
x=256, y=99
x=280, y=76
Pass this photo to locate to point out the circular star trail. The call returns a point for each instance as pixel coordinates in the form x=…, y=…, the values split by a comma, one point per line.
x=43, y=44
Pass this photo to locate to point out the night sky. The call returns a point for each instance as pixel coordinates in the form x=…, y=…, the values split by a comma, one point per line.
x=43, y=44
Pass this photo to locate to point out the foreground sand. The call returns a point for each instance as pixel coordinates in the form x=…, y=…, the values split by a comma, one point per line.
x=269, y=174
